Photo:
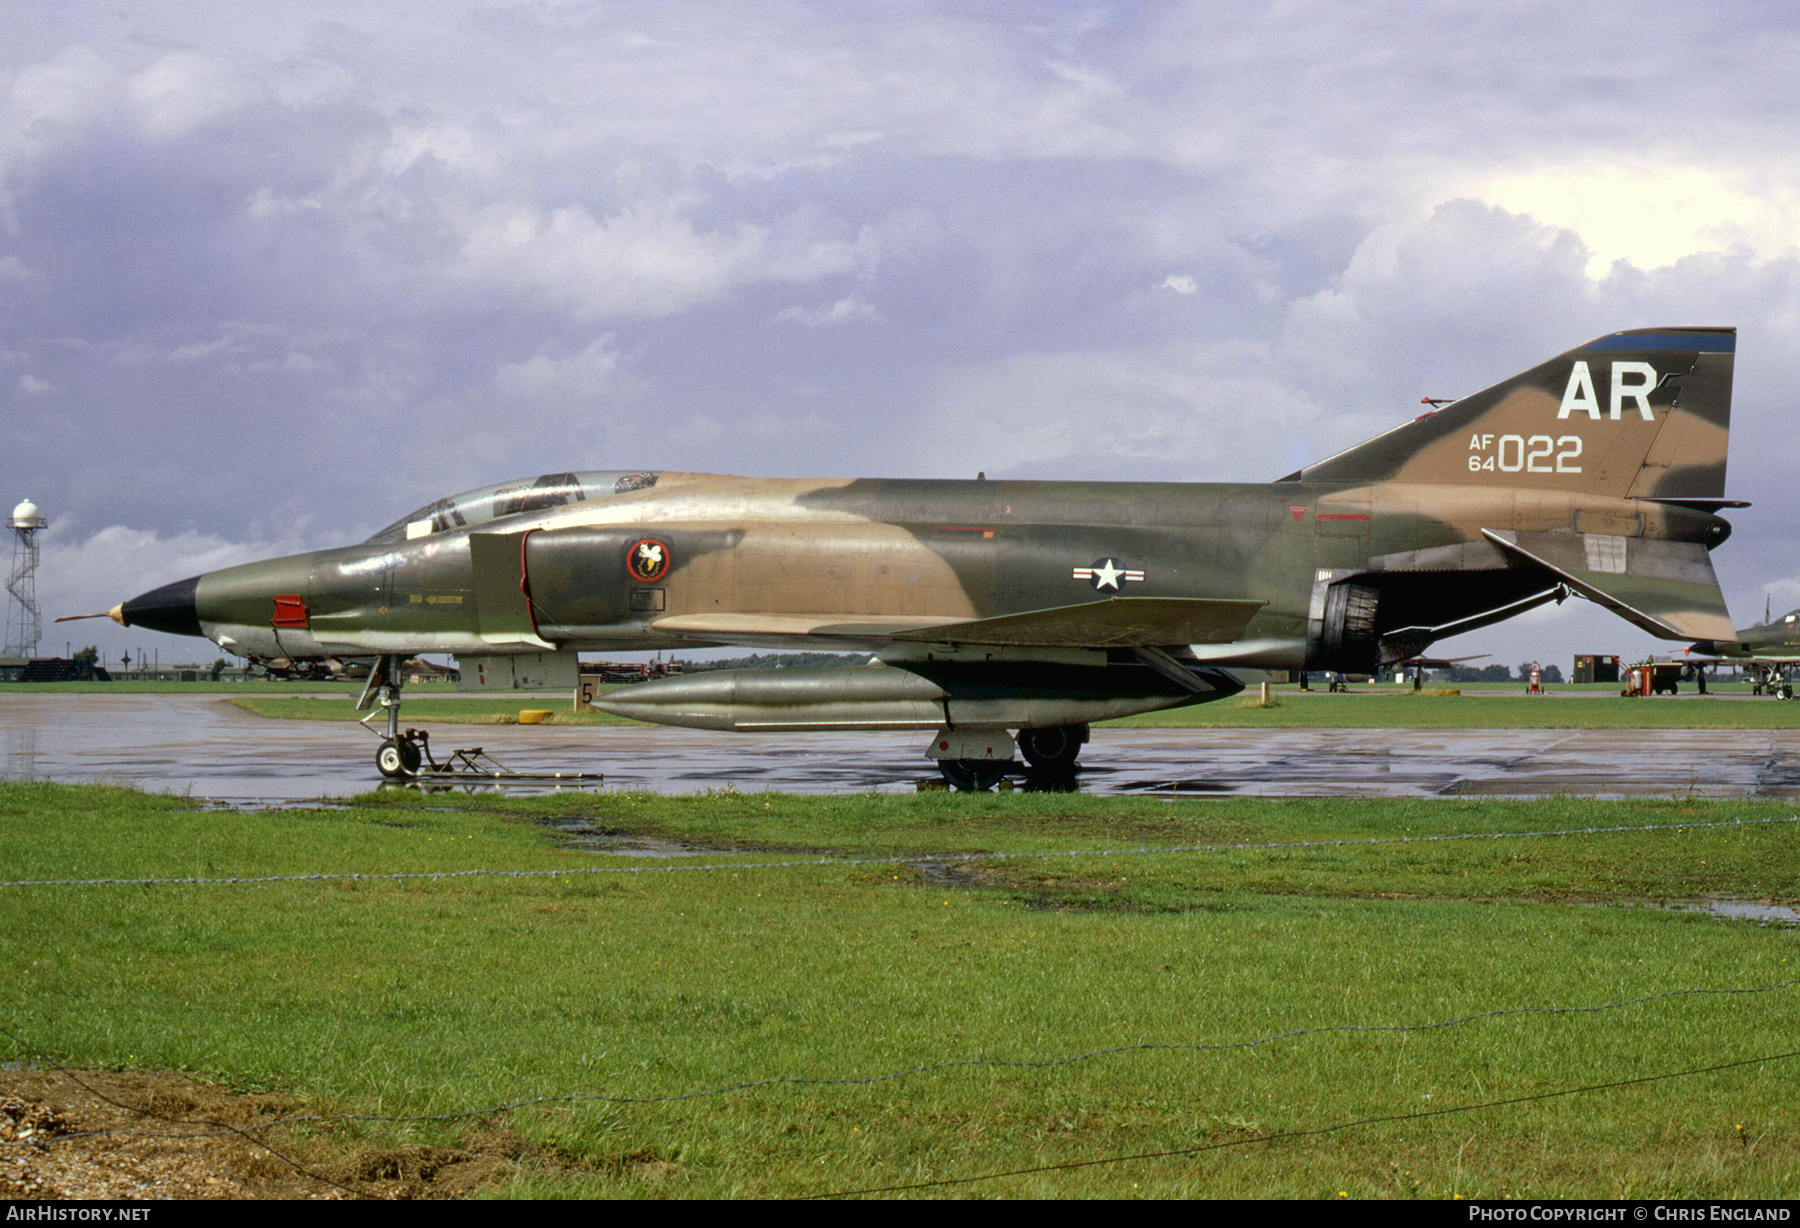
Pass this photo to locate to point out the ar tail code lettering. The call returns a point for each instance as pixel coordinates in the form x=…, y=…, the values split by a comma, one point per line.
x=1579, y=395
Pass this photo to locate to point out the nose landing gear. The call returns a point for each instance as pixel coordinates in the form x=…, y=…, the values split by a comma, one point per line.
x=399, y=755
x=406, y=754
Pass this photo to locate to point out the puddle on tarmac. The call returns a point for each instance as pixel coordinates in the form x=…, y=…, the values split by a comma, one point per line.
x=201, y=747
x=251, y=805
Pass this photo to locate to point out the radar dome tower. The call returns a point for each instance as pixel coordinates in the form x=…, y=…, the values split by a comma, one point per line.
x=24, y=625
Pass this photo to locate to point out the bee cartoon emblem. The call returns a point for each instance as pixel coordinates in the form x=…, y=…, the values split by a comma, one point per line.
x=647, y=561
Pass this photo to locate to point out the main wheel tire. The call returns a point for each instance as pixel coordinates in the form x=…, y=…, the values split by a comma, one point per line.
x=972, y=775
x=1054, y=749
x=397, y=759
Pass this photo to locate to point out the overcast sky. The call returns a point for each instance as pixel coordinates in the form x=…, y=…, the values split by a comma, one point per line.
x=270, y=278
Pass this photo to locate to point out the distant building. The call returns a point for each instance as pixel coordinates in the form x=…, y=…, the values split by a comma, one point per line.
x=1592, y=667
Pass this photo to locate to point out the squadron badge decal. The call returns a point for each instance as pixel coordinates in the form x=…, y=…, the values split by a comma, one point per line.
x=1106, y=574
x=647, y=561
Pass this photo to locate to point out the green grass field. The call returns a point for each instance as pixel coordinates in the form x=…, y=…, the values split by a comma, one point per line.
x=1511, y=709
x=1093, y=997
x=1359, y=709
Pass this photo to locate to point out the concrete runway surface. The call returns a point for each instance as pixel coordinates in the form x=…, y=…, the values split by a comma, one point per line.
x=206, y=748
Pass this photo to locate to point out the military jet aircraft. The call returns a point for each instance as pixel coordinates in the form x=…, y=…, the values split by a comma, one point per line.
x=1032, y=606
x=1770, y=651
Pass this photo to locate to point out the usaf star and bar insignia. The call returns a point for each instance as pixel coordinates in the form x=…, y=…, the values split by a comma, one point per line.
x=1108, y=574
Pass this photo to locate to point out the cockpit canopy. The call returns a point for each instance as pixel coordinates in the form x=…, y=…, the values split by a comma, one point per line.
x=485, y=503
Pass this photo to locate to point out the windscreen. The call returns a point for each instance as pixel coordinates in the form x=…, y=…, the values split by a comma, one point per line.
x=485, y=503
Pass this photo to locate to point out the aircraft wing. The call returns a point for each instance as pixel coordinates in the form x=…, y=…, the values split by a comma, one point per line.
x=1120, y=622
x=1666, y=587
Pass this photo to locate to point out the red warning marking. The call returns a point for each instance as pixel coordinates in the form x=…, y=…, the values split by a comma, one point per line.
x=289, y=612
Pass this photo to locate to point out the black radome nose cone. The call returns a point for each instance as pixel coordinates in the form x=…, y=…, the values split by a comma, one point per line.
x=169, y=608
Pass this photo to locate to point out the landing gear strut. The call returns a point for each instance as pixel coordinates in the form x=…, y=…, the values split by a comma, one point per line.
x=406, y=754
x=399, y=756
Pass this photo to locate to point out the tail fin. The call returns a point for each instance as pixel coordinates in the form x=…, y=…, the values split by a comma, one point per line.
x=1639, y=414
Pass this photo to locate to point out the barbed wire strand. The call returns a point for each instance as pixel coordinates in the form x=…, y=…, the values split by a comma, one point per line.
x=252, y=1134
x=1005, y=1063
x=1287, y=1135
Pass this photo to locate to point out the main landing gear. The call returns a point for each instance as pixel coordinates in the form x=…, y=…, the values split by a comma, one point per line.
x=976, y=761
x=973, y=775
x=1771, y=680
x=1054, y=749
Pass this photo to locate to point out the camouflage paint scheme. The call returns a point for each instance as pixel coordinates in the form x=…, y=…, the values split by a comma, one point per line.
x=1048, y=604
x=1769, y=652
x=1776, y=640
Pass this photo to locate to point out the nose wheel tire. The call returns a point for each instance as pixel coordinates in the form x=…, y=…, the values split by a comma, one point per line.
x=398, y=758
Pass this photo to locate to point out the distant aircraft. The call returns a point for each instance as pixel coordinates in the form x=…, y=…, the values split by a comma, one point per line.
x=1035, y=607
x=1769, y=650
